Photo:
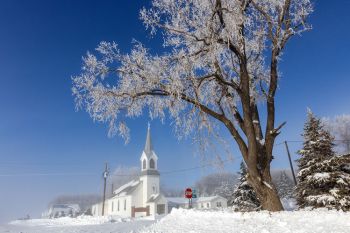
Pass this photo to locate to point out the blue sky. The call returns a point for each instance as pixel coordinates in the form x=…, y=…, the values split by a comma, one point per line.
x=41, y=45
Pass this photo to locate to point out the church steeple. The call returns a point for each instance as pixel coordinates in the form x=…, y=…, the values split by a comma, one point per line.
x=148, y=146
x=149, y=158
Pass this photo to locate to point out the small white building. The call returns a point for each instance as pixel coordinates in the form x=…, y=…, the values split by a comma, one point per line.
x=213, y=202
x=139, y=197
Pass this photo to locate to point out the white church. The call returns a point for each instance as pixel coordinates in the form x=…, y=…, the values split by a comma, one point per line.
x=140, y=197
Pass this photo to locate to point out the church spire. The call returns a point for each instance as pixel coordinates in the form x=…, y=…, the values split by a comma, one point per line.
x=148, y=146
x=149, y=158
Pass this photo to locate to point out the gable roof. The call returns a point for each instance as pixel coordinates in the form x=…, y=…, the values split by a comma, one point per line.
x=127, y=188
x=154, y=197
x=182, y=200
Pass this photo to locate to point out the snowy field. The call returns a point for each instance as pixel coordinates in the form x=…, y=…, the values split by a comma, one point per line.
x=78, y=225
x=194, y=221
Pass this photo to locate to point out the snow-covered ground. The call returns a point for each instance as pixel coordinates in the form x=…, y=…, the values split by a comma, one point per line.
x=195, y=221
x=86, y=224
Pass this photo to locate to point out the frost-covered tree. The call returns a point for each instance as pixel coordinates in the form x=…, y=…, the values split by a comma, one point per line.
x=244, y=197
x=284, y=185
x=322, y=179
x=212, y=184
x=220, y=69
x=226, y=189
x=340, y=128
x=171, y=191
x=85, y=201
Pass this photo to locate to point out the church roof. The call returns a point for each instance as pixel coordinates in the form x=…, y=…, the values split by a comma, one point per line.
x=154, y=197
x=127, y=188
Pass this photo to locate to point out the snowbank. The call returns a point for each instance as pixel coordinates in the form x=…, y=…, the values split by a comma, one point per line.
x=194, y=221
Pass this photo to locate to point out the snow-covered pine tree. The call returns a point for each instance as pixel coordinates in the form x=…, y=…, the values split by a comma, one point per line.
x=244, y=197
x=285, y=186
x=321, y=180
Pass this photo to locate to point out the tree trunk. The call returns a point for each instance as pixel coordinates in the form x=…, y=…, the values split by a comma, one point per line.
x=265, y=190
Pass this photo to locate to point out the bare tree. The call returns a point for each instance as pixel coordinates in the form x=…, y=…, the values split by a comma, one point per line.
x=85, y=201
x=340, y=128
x=220, y=70
x=171, y=191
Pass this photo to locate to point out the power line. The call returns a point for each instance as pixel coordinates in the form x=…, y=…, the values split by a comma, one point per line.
x=48, y=174
x=192, y=168
x=125, y=175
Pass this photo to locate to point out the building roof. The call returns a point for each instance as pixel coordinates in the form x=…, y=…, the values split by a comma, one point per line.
x=178, y=200
x=154, y=197
x=182, y=200
x=127, y=188
x=206, y=199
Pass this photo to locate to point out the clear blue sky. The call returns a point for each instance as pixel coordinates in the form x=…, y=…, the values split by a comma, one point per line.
x=41, y=45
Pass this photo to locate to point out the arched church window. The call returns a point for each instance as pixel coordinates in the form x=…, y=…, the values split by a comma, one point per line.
x=151, y=163
x=144, y=164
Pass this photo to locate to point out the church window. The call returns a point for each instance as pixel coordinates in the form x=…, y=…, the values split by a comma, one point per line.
x=151, y=164
x=144, y=164
x=118, y=205
x=207, y=205
x=125, y=204
x=112, y=206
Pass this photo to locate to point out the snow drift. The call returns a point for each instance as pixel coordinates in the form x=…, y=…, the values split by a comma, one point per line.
x=316, y=221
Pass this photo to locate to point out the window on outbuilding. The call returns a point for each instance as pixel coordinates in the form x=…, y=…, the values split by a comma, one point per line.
x=207, y=205
x=125, y=204
x=112, y=206
x=218, y=204
x=151, y=163
x=118, y=205
x=144, y=164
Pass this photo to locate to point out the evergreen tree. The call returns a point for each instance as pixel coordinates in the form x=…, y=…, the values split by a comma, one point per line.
x=321, y=180
x=244, y=197
x=285, y=186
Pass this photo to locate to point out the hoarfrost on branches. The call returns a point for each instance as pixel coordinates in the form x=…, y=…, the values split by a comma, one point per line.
x=202, y=69
x=222, y=63
x=340, y=128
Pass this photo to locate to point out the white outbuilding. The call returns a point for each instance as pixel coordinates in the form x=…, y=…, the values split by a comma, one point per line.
x=139, y=197
x=212, y=202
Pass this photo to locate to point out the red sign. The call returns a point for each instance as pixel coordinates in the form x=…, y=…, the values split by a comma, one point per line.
x=188, y=193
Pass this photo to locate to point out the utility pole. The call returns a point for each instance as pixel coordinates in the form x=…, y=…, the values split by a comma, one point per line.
x=290, y=162
x=105, y=175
